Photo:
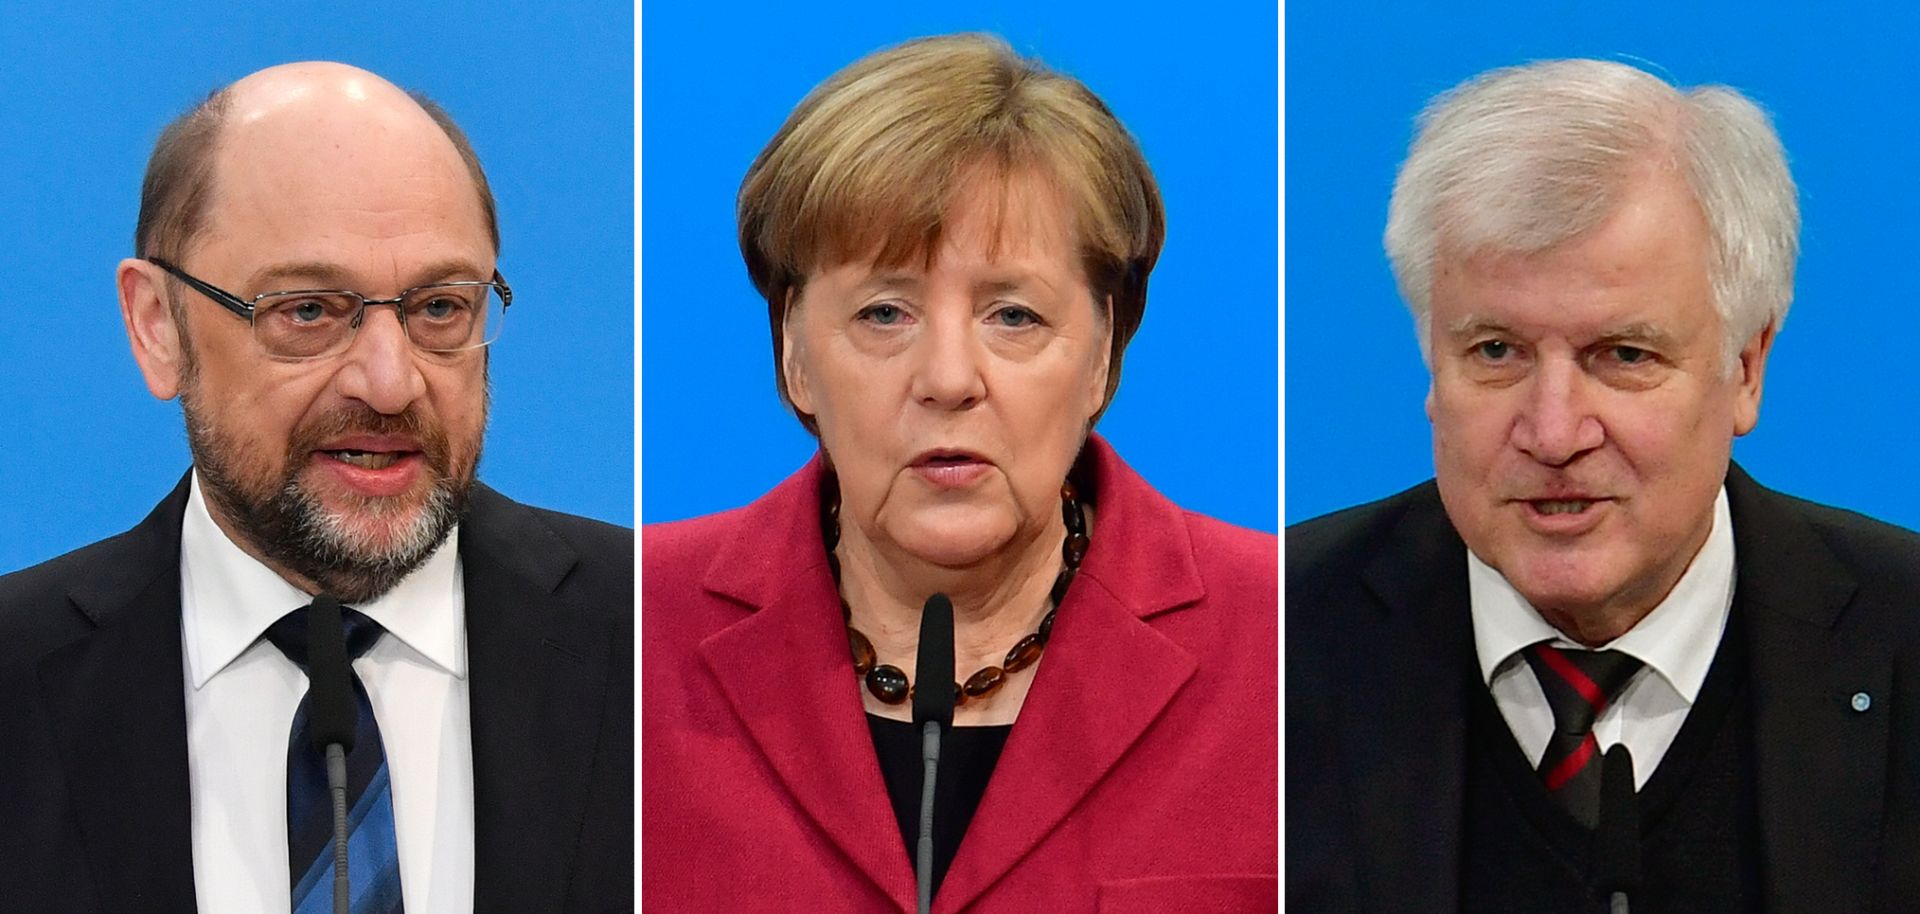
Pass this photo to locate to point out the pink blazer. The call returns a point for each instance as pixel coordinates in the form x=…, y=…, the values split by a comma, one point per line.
x=1141, y=775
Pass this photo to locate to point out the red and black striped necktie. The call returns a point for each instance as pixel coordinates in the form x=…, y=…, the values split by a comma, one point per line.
x=1579, y=686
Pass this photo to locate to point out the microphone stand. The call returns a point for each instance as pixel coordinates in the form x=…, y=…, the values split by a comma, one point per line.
x=932, y=713
x=337, y=787
x=333, y=715
x=1616, y=842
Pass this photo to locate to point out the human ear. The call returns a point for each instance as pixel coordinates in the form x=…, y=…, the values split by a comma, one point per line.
x=158, y=345
x=790, y=370
x=1749, y=373
x=1097, y=379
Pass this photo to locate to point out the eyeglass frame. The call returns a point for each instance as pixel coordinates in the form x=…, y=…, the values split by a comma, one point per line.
x=245, y=309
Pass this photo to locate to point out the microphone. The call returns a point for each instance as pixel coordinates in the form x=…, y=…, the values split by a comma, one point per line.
x=333, y=715
x=1616, y=842
x=932, y=713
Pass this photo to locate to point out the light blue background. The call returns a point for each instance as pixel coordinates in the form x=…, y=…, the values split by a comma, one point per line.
x=1837, y=416
x=1196, y=410
x=547, y=99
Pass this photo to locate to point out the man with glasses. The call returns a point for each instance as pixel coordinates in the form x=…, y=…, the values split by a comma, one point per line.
x=314, y=278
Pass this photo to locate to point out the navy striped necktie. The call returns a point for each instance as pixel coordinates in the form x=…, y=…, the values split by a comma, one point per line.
x=1579, y=686
x=373, y=859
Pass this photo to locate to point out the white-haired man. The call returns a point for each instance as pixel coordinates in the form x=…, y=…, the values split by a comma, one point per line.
x=1593, y=658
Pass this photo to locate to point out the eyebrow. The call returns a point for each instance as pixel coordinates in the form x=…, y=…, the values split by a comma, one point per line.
x=319, y=274
x=1473, y=325
x=1635, y=331
x=892, y=280
x=911, y=282
x=1638, y=331
x=1021, y=282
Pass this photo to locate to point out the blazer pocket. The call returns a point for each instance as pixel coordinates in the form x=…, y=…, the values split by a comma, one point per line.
x=1189, y=895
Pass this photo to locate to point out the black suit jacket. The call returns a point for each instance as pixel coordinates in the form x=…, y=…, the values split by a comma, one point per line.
x=93, y=745
x=1380, y=661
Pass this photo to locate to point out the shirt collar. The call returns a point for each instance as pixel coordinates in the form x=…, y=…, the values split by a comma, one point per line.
x=229, y=598
x=1677, y=639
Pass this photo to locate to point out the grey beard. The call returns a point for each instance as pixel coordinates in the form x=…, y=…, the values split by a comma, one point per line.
x=325, y=549
x=293, y=530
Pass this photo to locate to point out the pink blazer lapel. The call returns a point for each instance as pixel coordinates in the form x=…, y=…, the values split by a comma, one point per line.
x=1106, y=676
x=787, y=672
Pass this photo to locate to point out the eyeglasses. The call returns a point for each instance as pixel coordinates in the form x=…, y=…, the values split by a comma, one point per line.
x=316, y=323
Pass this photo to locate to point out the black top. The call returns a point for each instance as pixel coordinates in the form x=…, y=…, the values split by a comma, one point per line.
x=967, y=757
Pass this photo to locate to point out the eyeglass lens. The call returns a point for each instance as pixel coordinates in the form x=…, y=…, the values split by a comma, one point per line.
x=437, y=318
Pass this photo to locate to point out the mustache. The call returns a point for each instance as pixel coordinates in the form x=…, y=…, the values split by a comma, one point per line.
x=360, y=419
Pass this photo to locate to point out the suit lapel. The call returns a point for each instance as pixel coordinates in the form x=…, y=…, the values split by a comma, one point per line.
x=537, y=680
x=1821, y=766
x=787, y=673
x=1406, y=747
x=115, y=699
x=1106, y=677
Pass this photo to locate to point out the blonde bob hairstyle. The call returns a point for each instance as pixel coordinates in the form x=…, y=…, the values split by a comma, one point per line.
x=868, y=164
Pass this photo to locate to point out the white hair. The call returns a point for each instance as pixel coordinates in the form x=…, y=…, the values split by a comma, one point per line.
x=1521, y=159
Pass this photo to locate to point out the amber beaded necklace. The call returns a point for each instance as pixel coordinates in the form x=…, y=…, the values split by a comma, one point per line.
x=888, y=682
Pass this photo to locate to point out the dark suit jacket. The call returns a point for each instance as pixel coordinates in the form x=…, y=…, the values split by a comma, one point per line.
x=1380, y=660
x=93, y=746
x=1140, y=776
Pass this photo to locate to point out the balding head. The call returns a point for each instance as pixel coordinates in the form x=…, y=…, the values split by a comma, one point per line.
x=292, y=124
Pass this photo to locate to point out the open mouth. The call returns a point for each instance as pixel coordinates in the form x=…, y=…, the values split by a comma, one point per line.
x=1562, y=506
x=947, y=468
x=947, y=457
x=367, y=460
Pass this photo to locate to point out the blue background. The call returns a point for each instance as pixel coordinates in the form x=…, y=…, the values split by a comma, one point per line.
x=1836, y=419
x=548, y=103
x=1196, y=410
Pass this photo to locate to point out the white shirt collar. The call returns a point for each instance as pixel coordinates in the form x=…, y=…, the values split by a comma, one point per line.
x=1677, y=639
x=228, y=599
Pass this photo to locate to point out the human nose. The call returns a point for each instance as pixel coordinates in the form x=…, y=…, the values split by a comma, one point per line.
x=1557, y=422
x=948, y=375
x=379, y=368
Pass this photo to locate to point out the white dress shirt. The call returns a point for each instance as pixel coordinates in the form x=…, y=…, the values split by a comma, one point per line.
x=241, y=696
x=1676, y=642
